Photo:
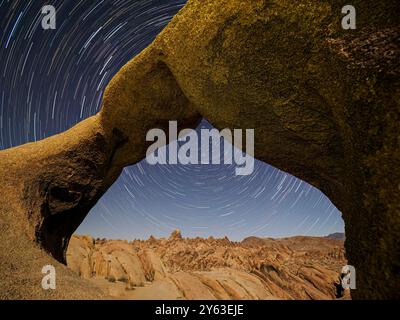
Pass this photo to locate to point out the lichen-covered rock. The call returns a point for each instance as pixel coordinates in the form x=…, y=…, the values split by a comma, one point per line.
x=324, y=103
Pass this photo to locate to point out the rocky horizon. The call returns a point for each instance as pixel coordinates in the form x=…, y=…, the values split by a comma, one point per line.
x=335, y=235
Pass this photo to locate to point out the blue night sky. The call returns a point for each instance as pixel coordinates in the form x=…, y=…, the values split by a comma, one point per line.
x=52, y=79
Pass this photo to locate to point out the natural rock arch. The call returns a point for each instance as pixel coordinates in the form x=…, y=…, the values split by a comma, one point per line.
x=324, y=104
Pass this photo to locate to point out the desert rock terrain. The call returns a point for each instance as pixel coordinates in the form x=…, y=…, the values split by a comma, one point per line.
x=183, y=268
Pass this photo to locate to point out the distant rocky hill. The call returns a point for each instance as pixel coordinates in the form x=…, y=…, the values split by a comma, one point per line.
x=337, y=235
x=182, y=268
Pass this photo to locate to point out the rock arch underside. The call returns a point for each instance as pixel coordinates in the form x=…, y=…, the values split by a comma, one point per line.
x=324, y=103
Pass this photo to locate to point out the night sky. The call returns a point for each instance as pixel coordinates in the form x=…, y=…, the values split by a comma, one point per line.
x=52, y=79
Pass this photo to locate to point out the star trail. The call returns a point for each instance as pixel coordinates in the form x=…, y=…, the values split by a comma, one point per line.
x=52, y=79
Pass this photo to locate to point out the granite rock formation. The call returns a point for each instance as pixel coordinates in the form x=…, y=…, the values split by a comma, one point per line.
x=324, y=103
x=181, y=268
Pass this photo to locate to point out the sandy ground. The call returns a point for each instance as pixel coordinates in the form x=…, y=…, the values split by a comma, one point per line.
x=157, y=290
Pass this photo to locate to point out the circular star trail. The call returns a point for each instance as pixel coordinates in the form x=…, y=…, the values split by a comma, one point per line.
x=52, y=79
